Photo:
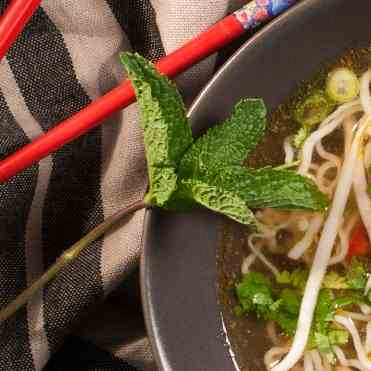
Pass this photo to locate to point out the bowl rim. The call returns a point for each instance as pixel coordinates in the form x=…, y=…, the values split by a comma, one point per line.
x=287, y=16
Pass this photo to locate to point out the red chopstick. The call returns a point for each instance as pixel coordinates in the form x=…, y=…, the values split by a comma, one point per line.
x=14, y=20
x=197, y=49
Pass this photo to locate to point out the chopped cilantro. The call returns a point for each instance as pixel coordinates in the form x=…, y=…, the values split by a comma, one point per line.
x=290, y=301
x=255, y=293
x=335, y=281
x=357, y=275
x=338, y=337
x=322, y=342
x=296, y=278
x=287, y=322
x=258, y=294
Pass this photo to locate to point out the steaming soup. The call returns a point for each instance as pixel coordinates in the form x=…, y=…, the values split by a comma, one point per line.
x=295, y=292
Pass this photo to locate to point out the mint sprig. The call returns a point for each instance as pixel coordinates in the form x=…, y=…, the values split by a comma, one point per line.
x=184, y=174
x=167, y=133
x=210, y=171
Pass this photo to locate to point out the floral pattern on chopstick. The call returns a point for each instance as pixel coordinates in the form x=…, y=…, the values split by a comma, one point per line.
x=256, y=12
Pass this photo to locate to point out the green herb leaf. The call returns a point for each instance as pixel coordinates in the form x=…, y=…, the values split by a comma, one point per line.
x=338, y=337
x=333, y=280
x=301, y=136
x=228, y=143
x=290, y=301
x=284, y=278
x=321, y=342
x=217, y=199
x=287, y=321
x=167, y=133
x=297, y=278
x=343, y=302
x=182, y=175
x=354, y=279
x=356, y=275
x=325, y=310
x=268, y=187
x=254, y=293
x=313, y=109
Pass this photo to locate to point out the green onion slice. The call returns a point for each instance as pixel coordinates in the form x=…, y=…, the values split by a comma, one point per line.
x=342, y=85
x=313, y=110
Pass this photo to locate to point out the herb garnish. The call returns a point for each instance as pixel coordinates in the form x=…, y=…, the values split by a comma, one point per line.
x=280, y=301
x=184, y=173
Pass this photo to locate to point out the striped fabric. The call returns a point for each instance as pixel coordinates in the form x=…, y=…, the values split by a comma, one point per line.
x=89, y=317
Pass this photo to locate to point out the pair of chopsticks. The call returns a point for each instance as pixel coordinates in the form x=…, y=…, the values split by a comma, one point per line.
x=19, y=12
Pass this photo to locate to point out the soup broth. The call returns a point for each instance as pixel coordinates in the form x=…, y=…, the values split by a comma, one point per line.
x=250, y=338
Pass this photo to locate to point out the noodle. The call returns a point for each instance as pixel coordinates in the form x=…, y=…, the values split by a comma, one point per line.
x=368, y=285
x=362, y=197
x=323, y=253
x=261, y=256
x=299, y=249
x=273, y=355
x=344, y=234
x=349, y=325
x=368, y=338
x=326, y=364
x=357, y=316
x=247, y=263
x=289, y=150
x=327, y=127
x=337, y=176
x=272, y=333
x=348, y=126
x=321, y=180
x=317, y=361
x=308, y=362
x=367, y=155
x=347, y=362
x=365, y=309
x=365, y=91
x=327, y=155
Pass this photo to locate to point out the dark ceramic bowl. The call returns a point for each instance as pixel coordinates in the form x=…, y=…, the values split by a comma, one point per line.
x=179, y=277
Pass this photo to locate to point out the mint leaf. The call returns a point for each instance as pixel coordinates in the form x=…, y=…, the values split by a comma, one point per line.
x=167, y=133
x=268, y=187
x=209, y=172
x=228, y=143
x=216, y=199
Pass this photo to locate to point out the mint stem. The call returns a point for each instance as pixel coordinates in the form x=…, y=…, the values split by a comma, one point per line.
x=67, y=257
